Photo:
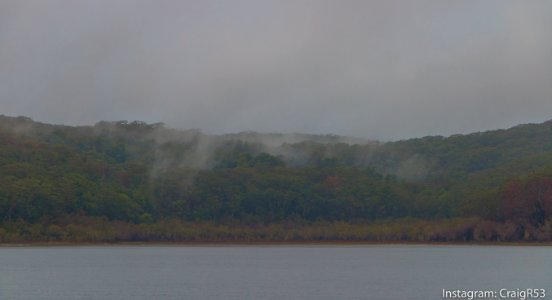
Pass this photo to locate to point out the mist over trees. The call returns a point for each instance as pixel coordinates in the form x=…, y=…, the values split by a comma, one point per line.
x=118, y=181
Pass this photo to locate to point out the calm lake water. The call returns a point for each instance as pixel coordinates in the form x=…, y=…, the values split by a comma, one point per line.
x=268, y=272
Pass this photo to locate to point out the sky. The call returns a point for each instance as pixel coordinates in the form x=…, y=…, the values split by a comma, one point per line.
x=383, y=70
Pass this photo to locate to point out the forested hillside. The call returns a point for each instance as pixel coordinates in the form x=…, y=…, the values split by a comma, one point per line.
x=132, y=181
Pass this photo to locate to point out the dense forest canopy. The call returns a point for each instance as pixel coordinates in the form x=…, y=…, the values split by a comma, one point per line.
x=494, y=185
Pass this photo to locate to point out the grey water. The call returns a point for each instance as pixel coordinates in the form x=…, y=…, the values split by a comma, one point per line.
x=269, y=272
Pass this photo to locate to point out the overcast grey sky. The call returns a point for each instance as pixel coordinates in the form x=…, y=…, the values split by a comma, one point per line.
x=377, y=69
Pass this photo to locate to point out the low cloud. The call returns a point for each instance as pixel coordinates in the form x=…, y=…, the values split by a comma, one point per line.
x=379, y=70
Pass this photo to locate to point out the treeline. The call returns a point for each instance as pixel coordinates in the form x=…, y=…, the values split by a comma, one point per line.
x=132, y=181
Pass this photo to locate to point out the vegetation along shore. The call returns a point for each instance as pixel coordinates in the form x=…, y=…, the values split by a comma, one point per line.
x=138, y=182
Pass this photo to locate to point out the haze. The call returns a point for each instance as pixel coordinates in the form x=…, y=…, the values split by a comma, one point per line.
x=375, y=69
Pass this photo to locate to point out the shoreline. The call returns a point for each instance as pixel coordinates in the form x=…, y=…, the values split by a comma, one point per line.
x=272, y=243
x=455, y=231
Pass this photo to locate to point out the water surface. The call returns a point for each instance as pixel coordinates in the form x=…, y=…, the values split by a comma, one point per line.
x=268, y=272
